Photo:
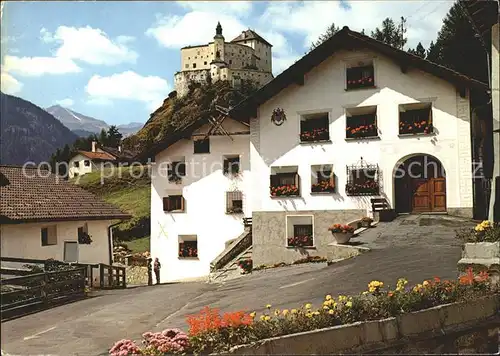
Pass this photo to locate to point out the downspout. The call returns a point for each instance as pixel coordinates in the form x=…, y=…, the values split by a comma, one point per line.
x=110, y=241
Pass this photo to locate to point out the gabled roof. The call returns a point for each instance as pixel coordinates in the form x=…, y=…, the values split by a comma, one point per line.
x=250, y=35
x=345, y=39
x=483, y=13
x=120, y=155
x=98, y=156
x=29, y=195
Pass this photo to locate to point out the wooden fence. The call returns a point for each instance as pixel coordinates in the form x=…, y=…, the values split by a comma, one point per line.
x=112, y=276
x=24, y=294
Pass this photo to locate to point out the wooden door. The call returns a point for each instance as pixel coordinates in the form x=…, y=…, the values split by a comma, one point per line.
x=429, y=195
x=421, y=195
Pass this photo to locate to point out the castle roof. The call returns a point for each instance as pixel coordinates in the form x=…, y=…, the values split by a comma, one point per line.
x=250, y=35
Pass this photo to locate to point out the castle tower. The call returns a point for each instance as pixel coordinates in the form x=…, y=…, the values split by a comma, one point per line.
x=218, y=44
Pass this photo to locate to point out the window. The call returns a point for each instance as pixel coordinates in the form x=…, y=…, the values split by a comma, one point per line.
x=299, y=231
x=176, y=171
x=230, y=61
x=49, y=235
x=188, y=246
x=322, y=179
x=360, y=77
x=234, y=202
x=232, y=165
x=76, y=174
x=415, y=118
x=174, y=203
x=205, y=63
x=76, y=164
x=202, y=146
x=187, y=65
x=86, y=163
x=194, y=65
x=70, y=251
x=314, y=128
x=362, y=180
x=361, y=122
x=284, y=183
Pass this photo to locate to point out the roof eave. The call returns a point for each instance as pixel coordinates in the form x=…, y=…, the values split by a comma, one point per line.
x=7, y=220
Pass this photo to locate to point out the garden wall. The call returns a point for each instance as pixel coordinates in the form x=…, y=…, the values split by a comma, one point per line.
x=372, y=336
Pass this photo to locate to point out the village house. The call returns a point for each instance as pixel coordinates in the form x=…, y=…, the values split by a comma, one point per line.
x=43, y=216
x=354, y=119
x=246, y=57
x=100, y=157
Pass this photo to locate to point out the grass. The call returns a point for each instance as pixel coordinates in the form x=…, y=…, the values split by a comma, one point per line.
x=130, y=191
x=141, y=244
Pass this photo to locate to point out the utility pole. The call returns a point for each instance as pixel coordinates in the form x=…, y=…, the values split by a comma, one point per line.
x=402, y=31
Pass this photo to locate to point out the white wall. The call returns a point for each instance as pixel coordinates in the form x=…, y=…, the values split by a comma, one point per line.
x=324, y=90
x=82, y=169
x=204, y=191
x=24, y=241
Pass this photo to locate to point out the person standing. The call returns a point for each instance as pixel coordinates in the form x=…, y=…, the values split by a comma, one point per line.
x=156, y=268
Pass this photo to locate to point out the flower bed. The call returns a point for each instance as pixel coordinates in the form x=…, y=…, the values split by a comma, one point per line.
x=284, y=190
x=308, y=259
x=486, y=231
x=300, y=241
x=211, y=332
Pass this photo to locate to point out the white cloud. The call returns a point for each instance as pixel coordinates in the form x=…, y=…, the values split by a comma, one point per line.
x=311, y=18
x=65, y=102
x=240, y=8
x=37, y=66
x=128, y=85
x=9, y=84
x=91, y=45
x=193, y=28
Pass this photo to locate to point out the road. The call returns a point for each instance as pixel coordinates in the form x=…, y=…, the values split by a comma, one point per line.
x=408, y=247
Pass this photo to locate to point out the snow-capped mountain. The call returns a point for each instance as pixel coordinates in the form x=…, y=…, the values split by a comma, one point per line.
x=82, y=125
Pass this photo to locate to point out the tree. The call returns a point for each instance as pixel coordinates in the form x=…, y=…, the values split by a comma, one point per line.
x=330, y=31
x=458, y=48
x=114, y=137
x=103, y=138
x=391, y=34
x=418, y=51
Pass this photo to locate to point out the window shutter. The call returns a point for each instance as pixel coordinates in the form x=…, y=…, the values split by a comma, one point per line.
x=183, y=203
x=182, y=168
x=297, y=180
x=229, y=201
x=166, y=204
x=226, y=166
x=332, y=179
x=430, y=115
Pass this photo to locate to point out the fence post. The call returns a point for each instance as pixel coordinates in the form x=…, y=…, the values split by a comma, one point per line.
x=150, y=272
x=101, y=275
x=44, y=288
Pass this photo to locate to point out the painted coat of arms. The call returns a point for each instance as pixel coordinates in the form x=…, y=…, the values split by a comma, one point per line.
x=278, y=117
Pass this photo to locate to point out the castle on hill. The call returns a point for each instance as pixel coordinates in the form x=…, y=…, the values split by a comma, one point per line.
x=248, y=56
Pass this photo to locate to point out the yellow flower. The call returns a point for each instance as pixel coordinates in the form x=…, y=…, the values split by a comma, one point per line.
x=325, y=307
x=342, y=298
x=316, y=313
x=268, y=306
x=252, y=314
x=328, y=297
x=331, y=311
x=479, y=228
x=334, y=305
x=401, y=284
x=262, y=317
x=309, y=315
x=348, y=304
x=365, y=292
x=308, y=306
x=267, y=318
x=277, y=312
x=426, y=283
x=294, y=311
x=285, y=311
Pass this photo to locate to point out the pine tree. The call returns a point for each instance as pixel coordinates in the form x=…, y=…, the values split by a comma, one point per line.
x=103, y=138
x=330, y=31
x=114, y=137
x=418, y=51
x=391, y=34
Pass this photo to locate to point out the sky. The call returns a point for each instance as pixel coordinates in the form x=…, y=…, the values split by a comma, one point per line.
x=115, y=60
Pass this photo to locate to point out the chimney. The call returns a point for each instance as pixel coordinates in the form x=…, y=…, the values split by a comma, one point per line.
x=94, y=144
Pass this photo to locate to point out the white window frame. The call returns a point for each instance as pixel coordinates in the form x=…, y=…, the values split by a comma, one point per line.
x=77, y=250
x=349, y=62
x=313, y=230
x=49, y=227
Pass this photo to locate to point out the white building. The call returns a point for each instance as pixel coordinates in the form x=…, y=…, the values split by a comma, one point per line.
x=99, y=158
x=326, y=136
x=42, y=216
x=248, y=56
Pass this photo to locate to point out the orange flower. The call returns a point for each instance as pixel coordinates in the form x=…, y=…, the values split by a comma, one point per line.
x=482, y=277
x=467, y=278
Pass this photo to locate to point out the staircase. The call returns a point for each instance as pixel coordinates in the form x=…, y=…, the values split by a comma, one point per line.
x=225, y=266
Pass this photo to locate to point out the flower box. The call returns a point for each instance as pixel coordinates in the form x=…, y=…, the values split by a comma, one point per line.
x=412, y=127
x=368, y=188
x=186, y=251
x=362, y=131
x=341, y=233
x=245, y=265
x=285, y=190
x=300, y=241
x=320, y=134
x=323, y=187
x=361, y=83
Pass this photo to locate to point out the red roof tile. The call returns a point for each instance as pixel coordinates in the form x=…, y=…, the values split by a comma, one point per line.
x=103, y=156
x=31, y=195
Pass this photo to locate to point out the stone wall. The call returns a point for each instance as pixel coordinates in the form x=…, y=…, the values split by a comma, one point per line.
x=269, y=234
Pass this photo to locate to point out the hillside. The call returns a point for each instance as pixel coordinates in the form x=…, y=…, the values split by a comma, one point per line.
x=178, y=113
x=28, y=132
x=130, y=194
x=84, y=125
